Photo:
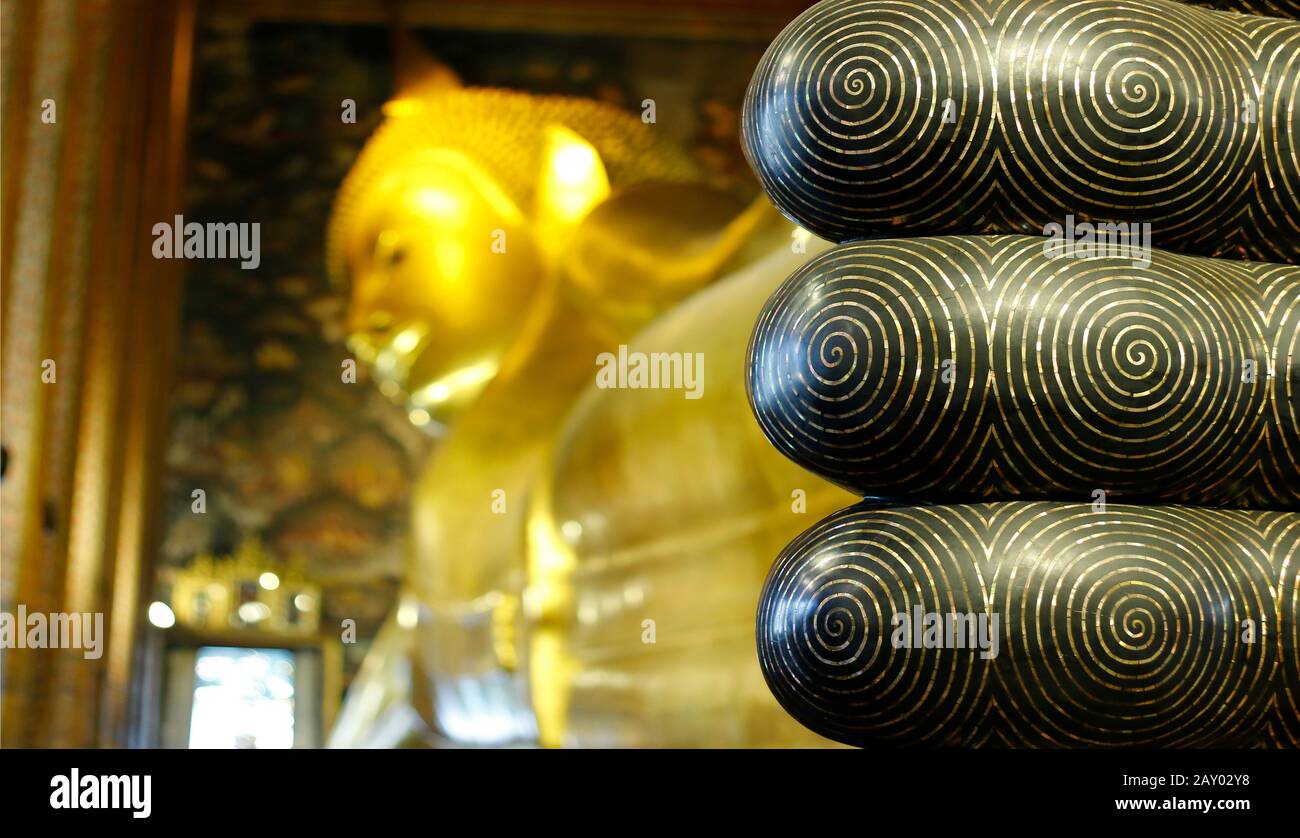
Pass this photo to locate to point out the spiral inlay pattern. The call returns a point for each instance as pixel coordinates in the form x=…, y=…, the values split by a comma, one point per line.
x=1004, y=368
x=1271, y=8
x=878, y=117
x=984, y=368
x=1136, y=626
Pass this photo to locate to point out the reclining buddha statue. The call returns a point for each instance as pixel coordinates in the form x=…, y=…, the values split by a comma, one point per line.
x=1088, y=455
x=584, y=565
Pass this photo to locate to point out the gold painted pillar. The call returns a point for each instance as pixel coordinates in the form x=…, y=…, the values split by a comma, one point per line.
x=80, y=288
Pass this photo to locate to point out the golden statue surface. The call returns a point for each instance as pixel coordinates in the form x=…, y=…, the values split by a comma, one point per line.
x=586, y=559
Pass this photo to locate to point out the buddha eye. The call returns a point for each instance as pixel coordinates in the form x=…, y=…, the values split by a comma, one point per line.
x=389, y=250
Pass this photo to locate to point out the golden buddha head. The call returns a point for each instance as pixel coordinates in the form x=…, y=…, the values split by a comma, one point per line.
x=454, y=218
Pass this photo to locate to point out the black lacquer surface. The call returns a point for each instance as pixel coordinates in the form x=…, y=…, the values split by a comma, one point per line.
x=1157, y=626
x=1031, y=372
x=921, y=117
x=991, y=368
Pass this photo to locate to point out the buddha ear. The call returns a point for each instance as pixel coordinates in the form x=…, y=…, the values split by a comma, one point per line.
x=571, y=183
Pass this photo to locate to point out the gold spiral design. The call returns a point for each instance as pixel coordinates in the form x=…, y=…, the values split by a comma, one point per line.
x=872, y=92
x=1275, y=203
x=826, y=619
x=1281, y=299
x=1285, y=721
x=1271, y=8
x=1128, y=109
x=982, y=367
x=1118, y=628
x=872, y=117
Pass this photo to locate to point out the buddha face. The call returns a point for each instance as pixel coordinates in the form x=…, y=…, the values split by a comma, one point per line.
x=458, y=213
x=442, y=268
